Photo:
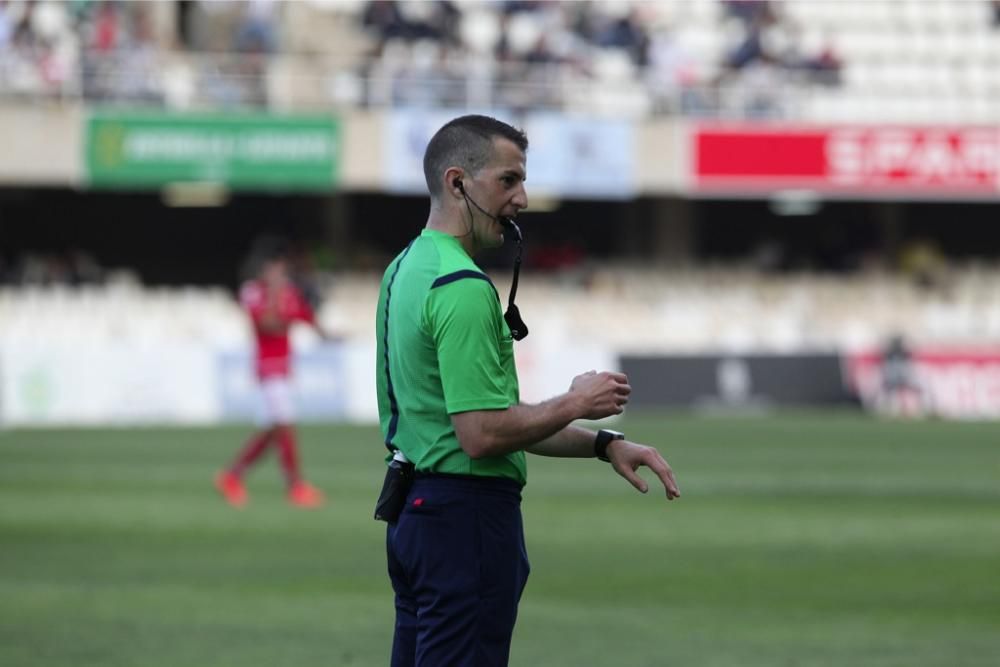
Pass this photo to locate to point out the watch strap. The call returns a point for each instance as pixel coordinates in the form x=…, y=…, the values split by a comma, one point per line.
x=602, y=440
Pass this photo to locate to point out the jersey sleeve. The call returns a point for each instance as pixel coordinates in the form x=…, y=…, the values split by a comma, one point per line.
x=466, y=325
x=303, y=311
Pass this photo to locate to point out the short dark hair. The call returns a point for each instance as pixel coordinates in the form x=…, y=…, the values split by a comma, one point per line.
x=467, y=142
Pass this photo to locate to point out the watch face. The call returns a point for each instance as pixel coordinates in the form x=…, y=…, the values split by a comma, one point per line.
x=604, y=436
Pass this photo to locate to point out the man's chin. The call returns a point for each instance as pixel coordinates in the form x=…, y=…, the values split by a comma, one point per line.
x=491, y=237
x=497, y=238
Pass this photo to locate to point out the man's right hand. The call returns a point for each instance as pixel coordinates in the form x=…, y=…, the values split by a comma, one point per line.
x=601, y=394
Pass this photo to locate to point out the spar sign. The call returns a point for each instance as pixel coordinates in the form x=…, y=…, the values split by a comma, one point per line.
x=867, y=160
x=954, y=384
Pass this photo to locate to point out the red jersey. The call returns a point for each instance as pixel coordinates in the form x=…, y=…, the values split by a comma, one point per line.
x=273, y=349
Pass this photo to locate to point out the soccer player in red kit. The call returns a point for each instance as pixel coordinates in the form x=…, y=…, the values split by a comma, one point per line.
x=273, y=303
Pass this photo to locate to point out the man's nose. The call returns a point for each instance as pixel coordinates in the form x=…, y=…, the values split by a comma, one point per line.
x=520, y=199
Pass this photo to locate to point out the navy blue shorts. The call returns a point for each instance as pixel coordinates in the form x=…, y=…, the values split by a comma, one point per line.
x=458, y=565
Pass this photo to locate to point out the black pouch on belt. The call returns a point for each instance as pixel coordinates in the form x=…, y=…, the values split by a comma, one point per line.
x=398, y=479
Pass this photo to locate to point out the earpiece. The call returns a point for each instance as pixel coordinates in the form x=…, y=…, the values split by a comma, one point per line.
x=458, y=184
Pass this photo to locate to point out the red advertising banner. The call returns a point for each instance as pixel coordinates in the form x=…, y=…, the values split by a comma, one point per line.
x=954, y=384
x=905, y=160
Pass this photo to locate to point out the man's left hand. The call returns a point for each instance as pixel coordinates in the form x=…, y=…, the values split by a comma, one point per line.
x=626, y=457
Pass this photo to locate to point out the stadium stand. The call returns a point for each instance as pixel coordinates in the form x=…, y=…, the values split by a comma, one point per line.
x=894, y=60
x=645, y=311
x=912, y=60
x=871, y=61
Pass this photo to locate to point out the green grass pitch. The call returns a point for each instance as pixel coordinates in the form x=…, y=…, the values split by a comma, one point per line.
x=802, y=539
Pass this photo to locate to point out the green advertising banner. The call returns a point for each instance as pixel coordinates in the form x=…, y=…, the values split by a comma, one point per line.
x=242, y=151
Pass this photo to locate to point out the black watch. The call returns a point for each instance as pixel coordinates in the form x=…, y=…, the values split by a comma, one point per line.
x=603, y=439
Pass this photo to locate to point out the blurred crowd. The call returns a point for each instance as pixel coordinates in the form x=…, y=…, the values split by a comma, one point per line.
x=61, y=49
x=728, y=57
x=529, y=50
x=114, y=51
x=515, y=53
x=71, y=267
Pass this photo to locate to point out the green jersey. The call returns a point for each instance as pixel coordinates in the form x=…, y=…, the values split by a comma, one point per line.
x=442, y=347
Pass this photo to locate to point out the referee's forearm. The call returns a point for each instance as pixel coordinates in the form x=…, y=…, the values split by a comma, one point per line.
x=486, y=433
x=570, y=442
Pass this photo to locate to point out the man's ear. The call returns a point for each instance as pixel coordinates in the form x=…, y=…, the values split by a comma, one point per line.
x=453, y=182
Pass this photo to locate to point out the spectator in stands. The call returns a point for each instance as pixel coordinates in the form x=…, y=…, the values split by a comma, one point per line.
x=384, y=18
x=391, y=20
x=450, y=413
x=512, y=6
x=86, y=269
x=672, y=76
x=273, y=303
x=107, y=28
x=822, y=66
x=70, y=267
x=755, y=70
x=19, y=63
x=446, y=20
x=750, y=12
x=256, y=32
x=626, y=32
x=120, y=55
x=751, y=49
x=138, y=78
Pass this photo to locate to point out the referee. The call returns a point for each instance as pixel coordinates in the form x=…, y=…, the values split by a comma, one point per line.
x=451, y=416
